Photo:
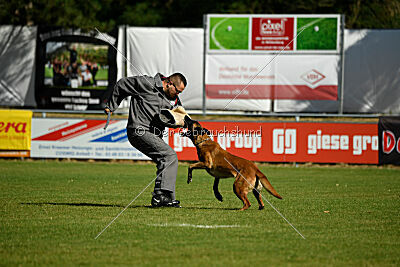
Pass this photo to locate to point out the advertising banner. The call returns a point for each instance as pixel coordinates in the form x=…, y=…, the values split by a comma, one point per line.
x=289, y=142
x=74, y=138
x=312, y=78
x=75, y=70
x=272, y=33
x=389, y=138
x=263, y=142
x=15, y=130
x=272, y=57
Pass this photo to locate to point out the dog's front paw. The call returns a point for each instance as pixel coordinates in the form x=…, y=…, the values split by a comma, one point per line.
x=189, y=180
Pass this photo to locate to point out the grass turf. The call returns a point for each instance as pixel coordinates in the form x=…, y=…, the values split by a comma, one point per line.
x=236, y=38
x=323, y=39
x=50, y=213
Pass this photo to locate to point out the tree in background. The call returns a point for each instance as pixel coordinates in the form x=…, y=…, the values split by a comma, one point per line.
x=107, y=14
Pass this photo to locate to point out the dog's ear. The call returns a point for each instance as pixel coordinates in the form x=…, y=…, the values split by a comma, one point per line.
x=188, y=121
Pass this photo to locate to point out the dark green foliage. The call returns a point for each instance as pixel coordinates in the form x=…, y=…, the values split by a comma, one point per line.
x=106, y=14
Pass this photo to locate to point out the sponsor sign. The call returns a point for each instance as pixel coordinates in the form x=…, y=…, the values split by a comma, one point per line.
x=310, y=77
x=263, y=142
x=242, y=62
x=289, y=142
x=15, y=129
x=72, y=138
x=389, y=140
x=272, y=33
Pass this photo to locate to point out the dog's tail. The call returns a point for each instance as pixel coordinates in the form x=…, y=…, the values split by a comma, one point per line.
x=267, y=185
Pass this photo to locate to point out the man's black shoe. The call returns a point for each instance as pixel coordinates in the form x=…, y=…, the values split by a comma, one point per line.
x=161, y=200
x=175, y=203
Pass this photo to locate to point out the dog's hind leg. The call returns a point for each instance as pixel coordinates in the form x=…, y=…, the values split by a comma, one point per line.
x=256, y=191
x=215, y=188
x=240, y=188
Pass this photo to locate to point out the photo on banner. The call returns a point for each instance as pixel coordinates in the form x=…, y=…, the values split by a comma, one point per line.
x=75, y=70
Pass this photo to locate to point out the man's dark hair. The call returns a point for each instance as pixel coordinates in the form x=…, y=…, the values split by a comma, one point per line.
x=178, y=76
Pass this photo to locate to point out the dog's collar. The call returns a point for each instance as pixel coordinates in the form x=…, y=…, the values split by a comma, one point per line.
x=196, y=144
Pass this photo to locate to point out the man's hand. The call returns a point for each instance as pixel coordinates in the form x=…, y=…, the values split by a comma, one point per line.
x=108, y=112
x=180, y=110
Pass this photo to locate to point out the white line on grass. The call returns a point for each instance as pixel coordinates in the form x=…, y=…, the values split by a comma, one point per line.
x=213, y=34
x=266, y=200
x=194, y=225
x=131, y=202
x=311, y=23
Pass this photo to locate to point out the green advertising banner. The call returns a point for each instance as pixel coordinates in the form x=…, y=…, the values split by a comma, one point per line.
x=319, y=33
x=229, y=33
x=271, y=33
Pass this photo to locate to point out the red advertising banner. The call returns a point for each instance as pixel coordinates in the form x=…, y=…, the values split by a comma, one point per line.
x=325, y=92
x=289, y=142
x=272, y=33
x=15, y=154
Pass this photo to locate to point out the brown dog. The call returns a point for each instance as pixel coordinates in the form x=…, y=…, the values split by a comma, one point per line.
x=221, y=164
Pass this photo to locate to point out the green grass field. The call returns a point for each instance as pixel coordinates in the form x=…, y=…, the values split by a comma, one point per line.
x=229, y=33
x=323, y=39
x=51, y=211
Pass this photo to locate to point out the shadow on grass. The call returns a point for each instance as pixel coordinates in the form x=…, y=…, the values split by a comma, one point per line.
x=81, y=204
x=208, y=208
x=115, y=205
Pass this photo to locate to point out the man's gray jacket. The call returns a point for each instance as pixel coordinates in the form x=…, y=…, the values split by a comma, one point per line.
x=147, y=100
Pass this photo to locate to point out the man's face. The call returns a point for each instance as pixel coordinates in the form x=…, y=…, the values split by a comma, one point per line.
x=173, y=88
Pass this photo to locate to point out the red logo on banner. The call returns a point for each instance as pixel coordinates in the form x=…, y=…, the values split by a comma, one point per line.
x=389, y=142
x=19, y=127
x=312, y=77
x=71, y=131
x=272, y=34
x=284, y=141
x=272, y=27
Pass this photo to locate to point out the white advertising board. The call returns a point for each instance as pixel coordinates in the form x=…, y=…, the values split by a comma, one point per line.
x=271, y=57
x=287, y=77
x=79, y=138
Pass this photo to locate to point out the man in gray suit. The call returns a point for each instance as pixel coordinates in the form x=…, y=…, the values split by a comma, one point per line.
x=149, y=95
